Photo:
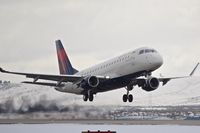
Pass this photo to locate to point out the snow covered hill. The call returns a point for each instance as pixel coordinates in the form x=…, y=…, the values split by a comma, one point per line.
x=176, y=92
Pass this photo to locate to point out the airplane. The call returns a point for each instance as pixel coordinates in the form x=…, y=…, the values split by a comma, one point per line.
x=125, y=71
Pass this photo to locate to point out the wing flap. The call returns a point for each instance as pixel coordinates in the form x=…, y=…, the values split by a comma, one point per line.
x=42, y=83
x=63, y=78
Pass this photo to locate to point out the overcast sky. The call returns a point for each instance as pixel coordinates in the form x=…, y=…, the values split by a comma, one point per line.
x=94, y=30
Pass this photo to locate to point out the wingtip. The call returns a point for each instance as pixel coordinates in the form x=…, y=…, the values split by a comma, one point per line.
x=1, y=70
x=193, y=71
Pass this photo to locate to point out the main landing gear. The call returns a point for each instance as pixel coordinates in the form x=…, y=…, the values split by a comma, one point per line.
x=128, y=97
x=89, y=96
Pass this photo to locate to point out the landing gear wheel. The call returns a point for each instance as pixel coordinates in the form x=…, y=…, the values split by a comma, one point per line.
x=85, y=98
x=125, y=98
x=130, y=98
x=91, y=97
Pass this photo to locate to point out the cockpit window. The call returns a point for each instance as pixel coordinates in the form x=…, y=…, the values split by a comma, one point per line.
x=153, y=51
x=147, y=51
x=141, y=52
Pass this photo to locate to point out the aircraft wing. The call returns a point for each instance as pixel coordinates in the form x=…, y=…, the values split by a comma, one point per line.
x=166, y=80
x=58, y=78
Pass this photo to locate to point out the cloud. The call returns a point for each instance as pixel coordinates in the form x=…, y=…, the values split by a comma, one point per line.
x=98, y=30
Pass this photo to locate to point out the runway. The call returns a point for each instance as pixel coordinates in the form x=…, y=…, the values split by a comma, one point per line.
x=101, y=122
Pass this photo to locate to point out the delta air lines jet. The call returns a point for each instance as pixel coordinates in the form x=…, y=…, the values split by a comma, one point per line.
x=127, y=70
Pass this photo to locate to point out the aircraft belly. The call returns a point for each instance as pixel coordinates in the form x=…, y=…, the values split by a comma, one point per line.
x=70, y=88
x=112, y=85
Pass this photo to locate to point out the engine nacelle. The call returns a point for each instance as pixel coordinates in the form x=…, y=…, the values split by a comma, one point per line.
x=91, y=81
x=151, y=84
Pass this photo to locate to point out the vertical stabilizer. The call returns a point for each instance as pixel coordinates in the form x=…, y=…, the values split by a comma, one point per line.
x=64, y=63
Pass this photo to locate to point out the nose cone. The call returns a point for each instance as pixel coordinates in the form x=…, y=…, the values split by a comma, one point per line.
x=157, y=61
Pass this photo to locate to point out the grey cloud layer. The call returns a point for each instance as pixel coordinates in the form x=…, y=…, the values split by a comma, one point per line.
x=100, y=29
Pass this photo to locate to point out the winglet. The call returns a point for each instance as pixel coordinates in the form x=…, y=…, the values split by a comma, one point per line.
x=5, y=71
x=194, y=69
x=2, y=70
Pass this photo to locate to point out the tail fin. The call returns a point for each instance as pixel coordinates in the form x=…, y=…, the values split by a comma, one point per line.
x=64, y=63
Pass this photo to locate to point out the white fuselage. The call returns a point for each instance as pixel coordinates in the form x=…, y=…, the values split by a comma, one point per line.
x=142, y=59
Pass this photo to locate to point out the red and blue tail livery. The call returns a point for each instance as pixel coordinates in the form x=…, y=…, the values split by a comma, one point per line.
x=64, y=63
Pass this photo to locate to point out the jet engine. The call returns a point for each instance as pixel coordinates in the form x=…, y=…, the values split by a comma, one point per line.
x=151, y=84
x=91, y=81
